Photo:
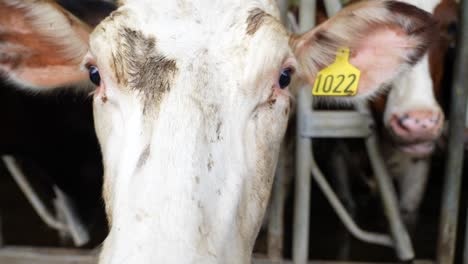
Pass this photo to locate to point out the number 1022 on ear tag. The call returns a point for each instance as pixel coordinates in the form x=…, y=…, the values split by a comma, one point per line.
x=338, y=79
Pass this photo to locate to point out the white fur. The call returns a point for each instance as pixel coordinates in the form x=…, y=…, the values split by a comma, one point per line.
x=201, y=196
x=412, y=90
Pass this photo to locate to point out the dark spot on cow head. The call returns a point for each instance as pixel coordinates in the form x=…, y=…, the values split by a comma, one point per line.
x=140, y=66
x=255, y=20
x=218, y=130
x=210, y=163
x=143, y=157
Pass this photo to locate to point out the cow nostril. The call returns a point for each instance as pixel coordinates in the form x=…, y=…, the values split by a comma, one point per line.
x=401, y=123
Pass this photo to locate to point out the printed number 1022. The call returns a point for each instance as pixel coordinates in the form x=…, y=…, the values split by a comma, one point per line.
x=336, y=85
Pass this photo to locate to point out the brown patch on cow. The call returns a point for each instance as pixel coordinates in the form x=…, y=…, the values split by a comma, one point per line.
x=378, y=105
x=446, y=16
x=27, y=47
x=138, y=64
x=36, y=54
x=255, y=20
x=422, y=26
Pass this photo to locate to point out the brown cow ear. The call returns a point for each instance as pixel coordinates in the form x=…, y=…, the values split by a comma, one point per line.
x=41, y=44
x=384, y=39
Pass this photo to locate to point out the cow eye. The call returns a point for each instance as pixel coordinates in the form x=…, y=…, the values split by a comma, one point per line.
x=452, y=28
x=94, y=75
x=285, y=78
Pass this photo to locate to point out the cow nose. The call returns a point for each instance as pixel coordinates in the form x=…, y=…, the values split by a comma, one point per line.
x=417, y=125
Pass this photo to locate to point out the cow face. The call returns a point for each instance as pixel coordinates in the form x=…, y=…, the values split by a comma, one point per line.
x=191, y=103
x=413, y=114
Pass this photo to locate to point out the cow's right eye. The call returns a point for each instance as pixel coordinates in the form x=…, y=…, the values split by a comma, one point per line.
x=94, y=75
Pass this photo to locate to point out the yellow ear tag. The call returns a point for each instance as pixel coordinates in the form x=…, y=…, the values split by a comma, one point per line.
x=339, y=79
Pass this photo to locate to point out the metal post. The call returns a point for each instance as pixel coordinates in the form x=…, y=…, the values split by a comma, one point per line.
x=303, y=155
x=402, y=242
x=332, y=7
x=28, y=191
x=1, y=231
x=465, y=251
x=302, y=184
x=344, y=216
x=283, y=7
x=454, y=165
x=276, y=223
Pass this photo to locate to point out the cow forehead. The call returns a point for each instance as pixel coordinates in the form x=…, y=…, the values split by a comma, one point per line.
x=170, y=36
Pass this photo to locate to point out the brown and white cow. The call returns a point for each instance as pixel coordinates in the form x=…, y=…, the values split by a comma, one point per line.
x=410, y=117
x=191, y=105
x=413, y=116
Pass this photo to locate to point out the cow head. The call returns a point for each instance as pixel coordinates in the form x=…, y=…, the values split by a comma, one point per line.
x=191, y=103
x=413, y=114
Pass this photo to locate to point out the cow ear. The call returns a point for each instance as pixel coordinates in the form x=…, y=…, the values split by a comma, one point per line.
x=41, y=44
x=384, y=39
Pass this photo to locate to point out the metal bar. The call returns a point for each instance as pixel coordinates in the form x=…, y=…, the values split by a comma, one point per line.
x=32, y=197
x=332, y=7
x=465, y=248
x=336, y=124
x=402, y=242
x=265, y=261
x=1, y=231
x=283, y=7
x=338, y=207
x=302, y=184
x=307, y=15
x=75, y=226
x=28, y=255
x=292, y=23
x=454, y=165
x=303, y=155
x=276, y=223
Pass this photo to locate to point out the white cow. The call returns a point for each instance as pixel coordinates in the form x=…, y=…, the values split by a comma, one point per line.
x=191, y=105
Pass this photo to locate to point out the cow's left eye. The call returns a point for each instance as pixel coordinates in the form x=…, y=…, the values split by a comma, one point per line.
x=285, y=78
